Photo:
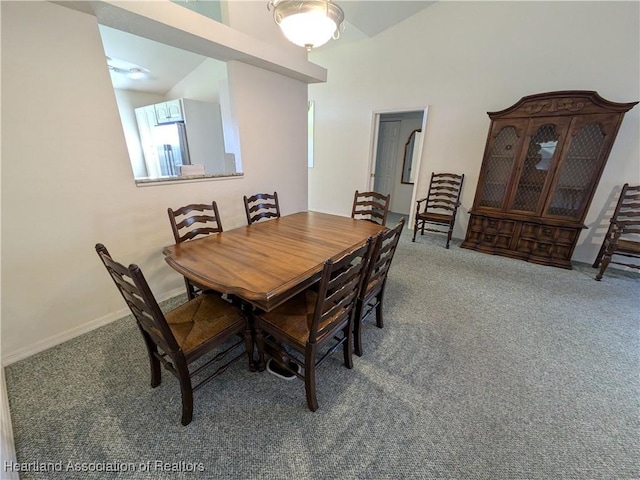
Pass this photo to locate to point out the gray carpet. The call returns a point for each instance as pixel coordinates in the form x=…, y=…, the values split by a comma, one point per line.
x=487, y=368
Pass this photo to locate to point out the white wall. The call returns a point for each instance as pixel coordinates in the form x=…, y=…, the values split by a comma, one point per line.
x=67, y=182
x=272, y=122
x=463, y=59
x=128, y=101
x=203, y=83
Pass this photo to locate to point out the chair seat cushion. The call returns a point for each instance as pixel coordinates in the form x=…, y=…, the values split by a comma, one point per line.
x=434, y=217
x=373, y=288
x=198, y=320
x=294, y=316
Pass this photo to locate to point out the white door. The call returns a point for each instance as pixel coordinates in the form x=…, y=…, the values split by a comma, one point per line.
x=388, y=138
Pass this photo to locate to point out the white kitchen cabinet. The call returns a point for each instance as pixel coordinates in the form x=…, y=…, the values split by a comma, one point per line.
x=169, y=112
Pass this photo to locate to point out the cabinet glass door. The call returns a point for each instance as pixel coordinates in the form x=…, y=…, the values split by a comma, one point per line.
x=499, y=162
x=580, y=166
x=539, y=159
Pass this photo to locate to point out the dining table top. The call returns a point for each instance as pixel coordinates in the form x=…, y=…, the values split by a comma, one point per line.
x=268, y=262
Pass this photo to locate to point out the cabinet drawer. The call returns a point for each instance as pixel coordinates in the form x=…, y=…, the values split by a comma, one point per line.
x=497, y=226
x=567, y=236
x=475, y=223
x=562, y=252
x=549, y=234
x=494, y=240
x=534, y=231
x=544, y=250
x=533, y=247
x=490, y=232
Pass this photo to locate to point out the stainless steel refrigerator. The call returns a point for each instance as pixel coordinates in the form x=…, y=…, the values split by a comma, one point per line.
x=170, y=141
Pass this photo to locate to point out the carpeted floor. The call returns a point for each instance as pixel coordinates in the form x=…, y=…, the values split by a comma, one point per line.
x=487, y=368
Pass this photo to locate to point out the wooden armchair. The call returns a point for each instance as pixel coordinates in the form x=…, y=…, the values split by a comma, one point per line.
x=440, y=206
x=316, y=322
x=261, y=206
x=623, y=236
x=180, y=337
x=372, y=292
x=371, y=206
x=189, y=222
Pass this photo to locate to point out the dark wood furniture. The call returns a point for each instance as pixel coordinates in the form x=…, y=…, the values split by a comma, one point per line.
x=543, y=159
x=623, y=236
x=261, y=206
x=316, y=322
x=237, y=261
x=440, y=206
x=180, y=337
x=189, y=222
x=371, y=206
x=371, y=294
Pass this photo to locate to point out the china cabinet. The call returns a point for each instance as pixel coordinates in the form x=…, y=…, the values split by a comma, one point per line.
x=543, y=159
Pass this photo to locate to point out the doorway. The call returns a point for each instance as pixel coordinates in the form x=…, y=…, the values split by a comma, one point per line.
x=396, y=155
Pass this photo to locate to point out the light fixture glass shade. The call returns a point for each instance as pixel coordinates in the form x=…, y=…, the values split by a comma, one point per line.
x=308, y=23
x=126, y=68
x=136, y=74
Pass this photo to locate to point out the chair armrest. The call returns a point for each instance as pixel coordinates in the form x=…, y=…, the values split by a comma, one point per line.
x=418, y=203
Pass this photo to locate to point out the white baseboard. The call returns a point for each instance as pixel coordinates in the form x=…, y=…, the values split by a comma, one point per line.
x=330, y=212
x=62, y=337
x=8, y=450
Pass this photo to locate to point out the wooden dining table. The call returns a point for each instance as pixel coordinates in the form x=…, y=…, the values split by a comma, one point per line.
x=268, y=262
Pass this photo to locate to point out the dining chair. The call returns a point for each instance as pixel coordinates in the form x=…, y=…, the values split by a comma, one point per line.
x=183, y=335
x=189, y=222
x=375, y=280
x=371, y=206
x=304, y=331
x=440, y=206
x=623, y=236
x=261, y=206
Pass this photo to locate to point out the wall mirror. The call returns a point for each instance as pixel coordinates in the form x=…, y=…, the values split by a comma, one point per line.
x=175, y=110
x=410, y=156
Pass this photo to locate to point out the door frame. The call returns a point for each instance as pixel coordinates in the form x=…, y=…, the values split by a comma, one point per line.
x=373, y=148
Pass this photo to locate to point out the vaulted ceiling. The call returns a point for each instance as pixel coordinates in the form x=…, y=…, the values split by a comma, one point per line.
x=168, y=65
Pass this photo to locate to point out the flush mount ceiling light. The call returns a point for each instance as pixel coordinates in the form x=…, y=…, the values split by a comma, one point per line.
x=308, y=23
x=128, y=69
